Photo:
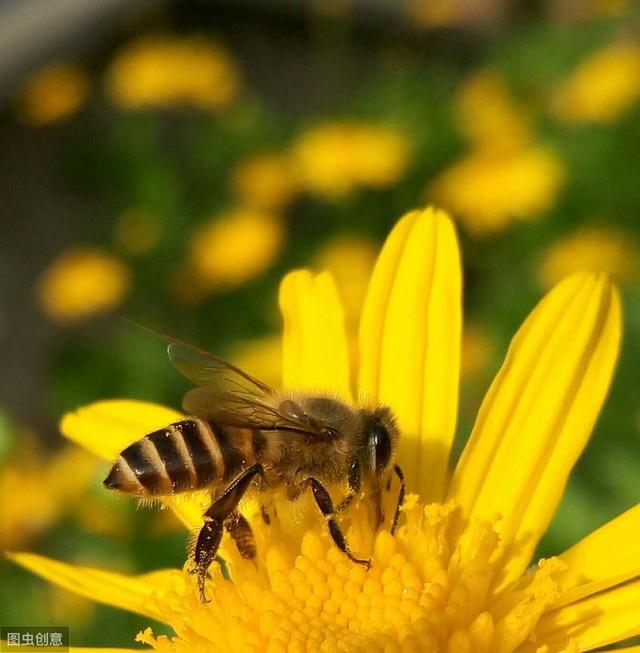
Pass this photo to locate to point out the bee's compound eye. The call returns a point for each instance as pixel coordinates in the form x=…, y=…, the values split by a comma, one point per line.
x=293, y=410
x=380, y=441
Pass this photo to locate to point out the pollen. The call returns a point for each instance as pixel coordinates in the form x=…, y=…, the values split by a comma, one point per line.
x=427, y=590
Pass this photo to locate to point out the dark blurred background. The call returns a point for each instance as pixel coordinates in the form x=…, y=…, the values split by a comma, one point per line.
x=170, y=161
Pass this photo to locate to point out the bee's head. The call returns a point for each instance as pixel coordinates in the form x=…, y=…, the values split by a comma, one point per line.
x=381, y=434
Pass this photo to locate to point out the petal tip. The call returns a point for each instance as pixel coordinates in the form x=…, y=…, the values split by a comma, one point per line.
x=22, y=558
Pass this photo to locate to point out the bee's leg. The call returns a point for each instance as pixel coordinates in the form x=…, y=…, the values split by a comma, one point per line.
x=214, y=519
x=240, y=531
x=400, y=475
x=324, y=502
x=354, y=485
x=205, y=551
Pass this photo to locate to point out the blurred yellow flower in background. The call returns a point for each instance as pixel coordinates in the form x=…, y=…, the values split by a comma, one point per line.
x=434, y=13
x=487, y=114
x=265, y=181
x=335, y=158
x=81, y=282
x=235, y=247
x=478, y=350
x=261, y=357
x=38, y=489
x=137, y=231
x=53, y=94
x=610, y=249
x=602, y=88
x=488, y=191
x=165, y=70
x=456, y=576
x=506, y=176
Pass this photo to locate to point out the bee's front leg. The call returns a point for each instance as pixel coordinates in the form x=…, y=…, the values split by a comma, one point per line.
x=210, y=534
x=396, y=516
x=324, y=502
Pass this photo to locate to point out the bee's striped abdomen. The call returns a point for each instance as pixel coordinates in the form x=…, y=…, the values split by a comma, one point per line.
x=186, y=455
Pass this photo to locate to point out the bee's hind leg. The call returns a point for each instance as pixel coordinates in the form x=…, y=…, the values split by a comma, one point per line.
x=205, y=551
x=210, y=534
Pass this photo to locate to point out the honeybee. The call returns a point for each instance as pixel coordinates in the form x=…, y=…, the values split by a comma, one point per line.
x=243, y=432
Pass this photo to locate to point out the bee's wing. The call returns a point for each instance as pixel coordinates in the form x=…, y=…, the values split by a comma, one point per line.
x=205, y=369
x=242, y=410
x=228, y=395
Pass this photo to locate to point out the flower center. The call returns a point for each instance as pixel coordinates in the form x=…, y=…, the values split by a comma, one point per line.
x=429, y=589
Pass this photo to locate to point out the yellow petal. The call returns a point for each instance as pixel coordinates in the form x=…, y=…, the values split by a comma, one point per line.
x=105, y=428
x=410, y=343
x=131, y=593
x=607, y=557
x=539, y=413
x=189, y=507
x=315, y=345
x=599, y=620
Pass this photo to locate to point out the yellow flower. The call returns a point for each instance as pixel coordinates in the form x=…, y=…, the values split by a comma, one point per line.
x=488, y=115
x=603, y=87
x=82, y=282
x=490, y=190
x=53, y=94
x=39, y=489
x=162, y=71
x=592, y=248
x=235, y=247
x=265, y=181
x=336, y=158
x=456, y=577
x=506, y=176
